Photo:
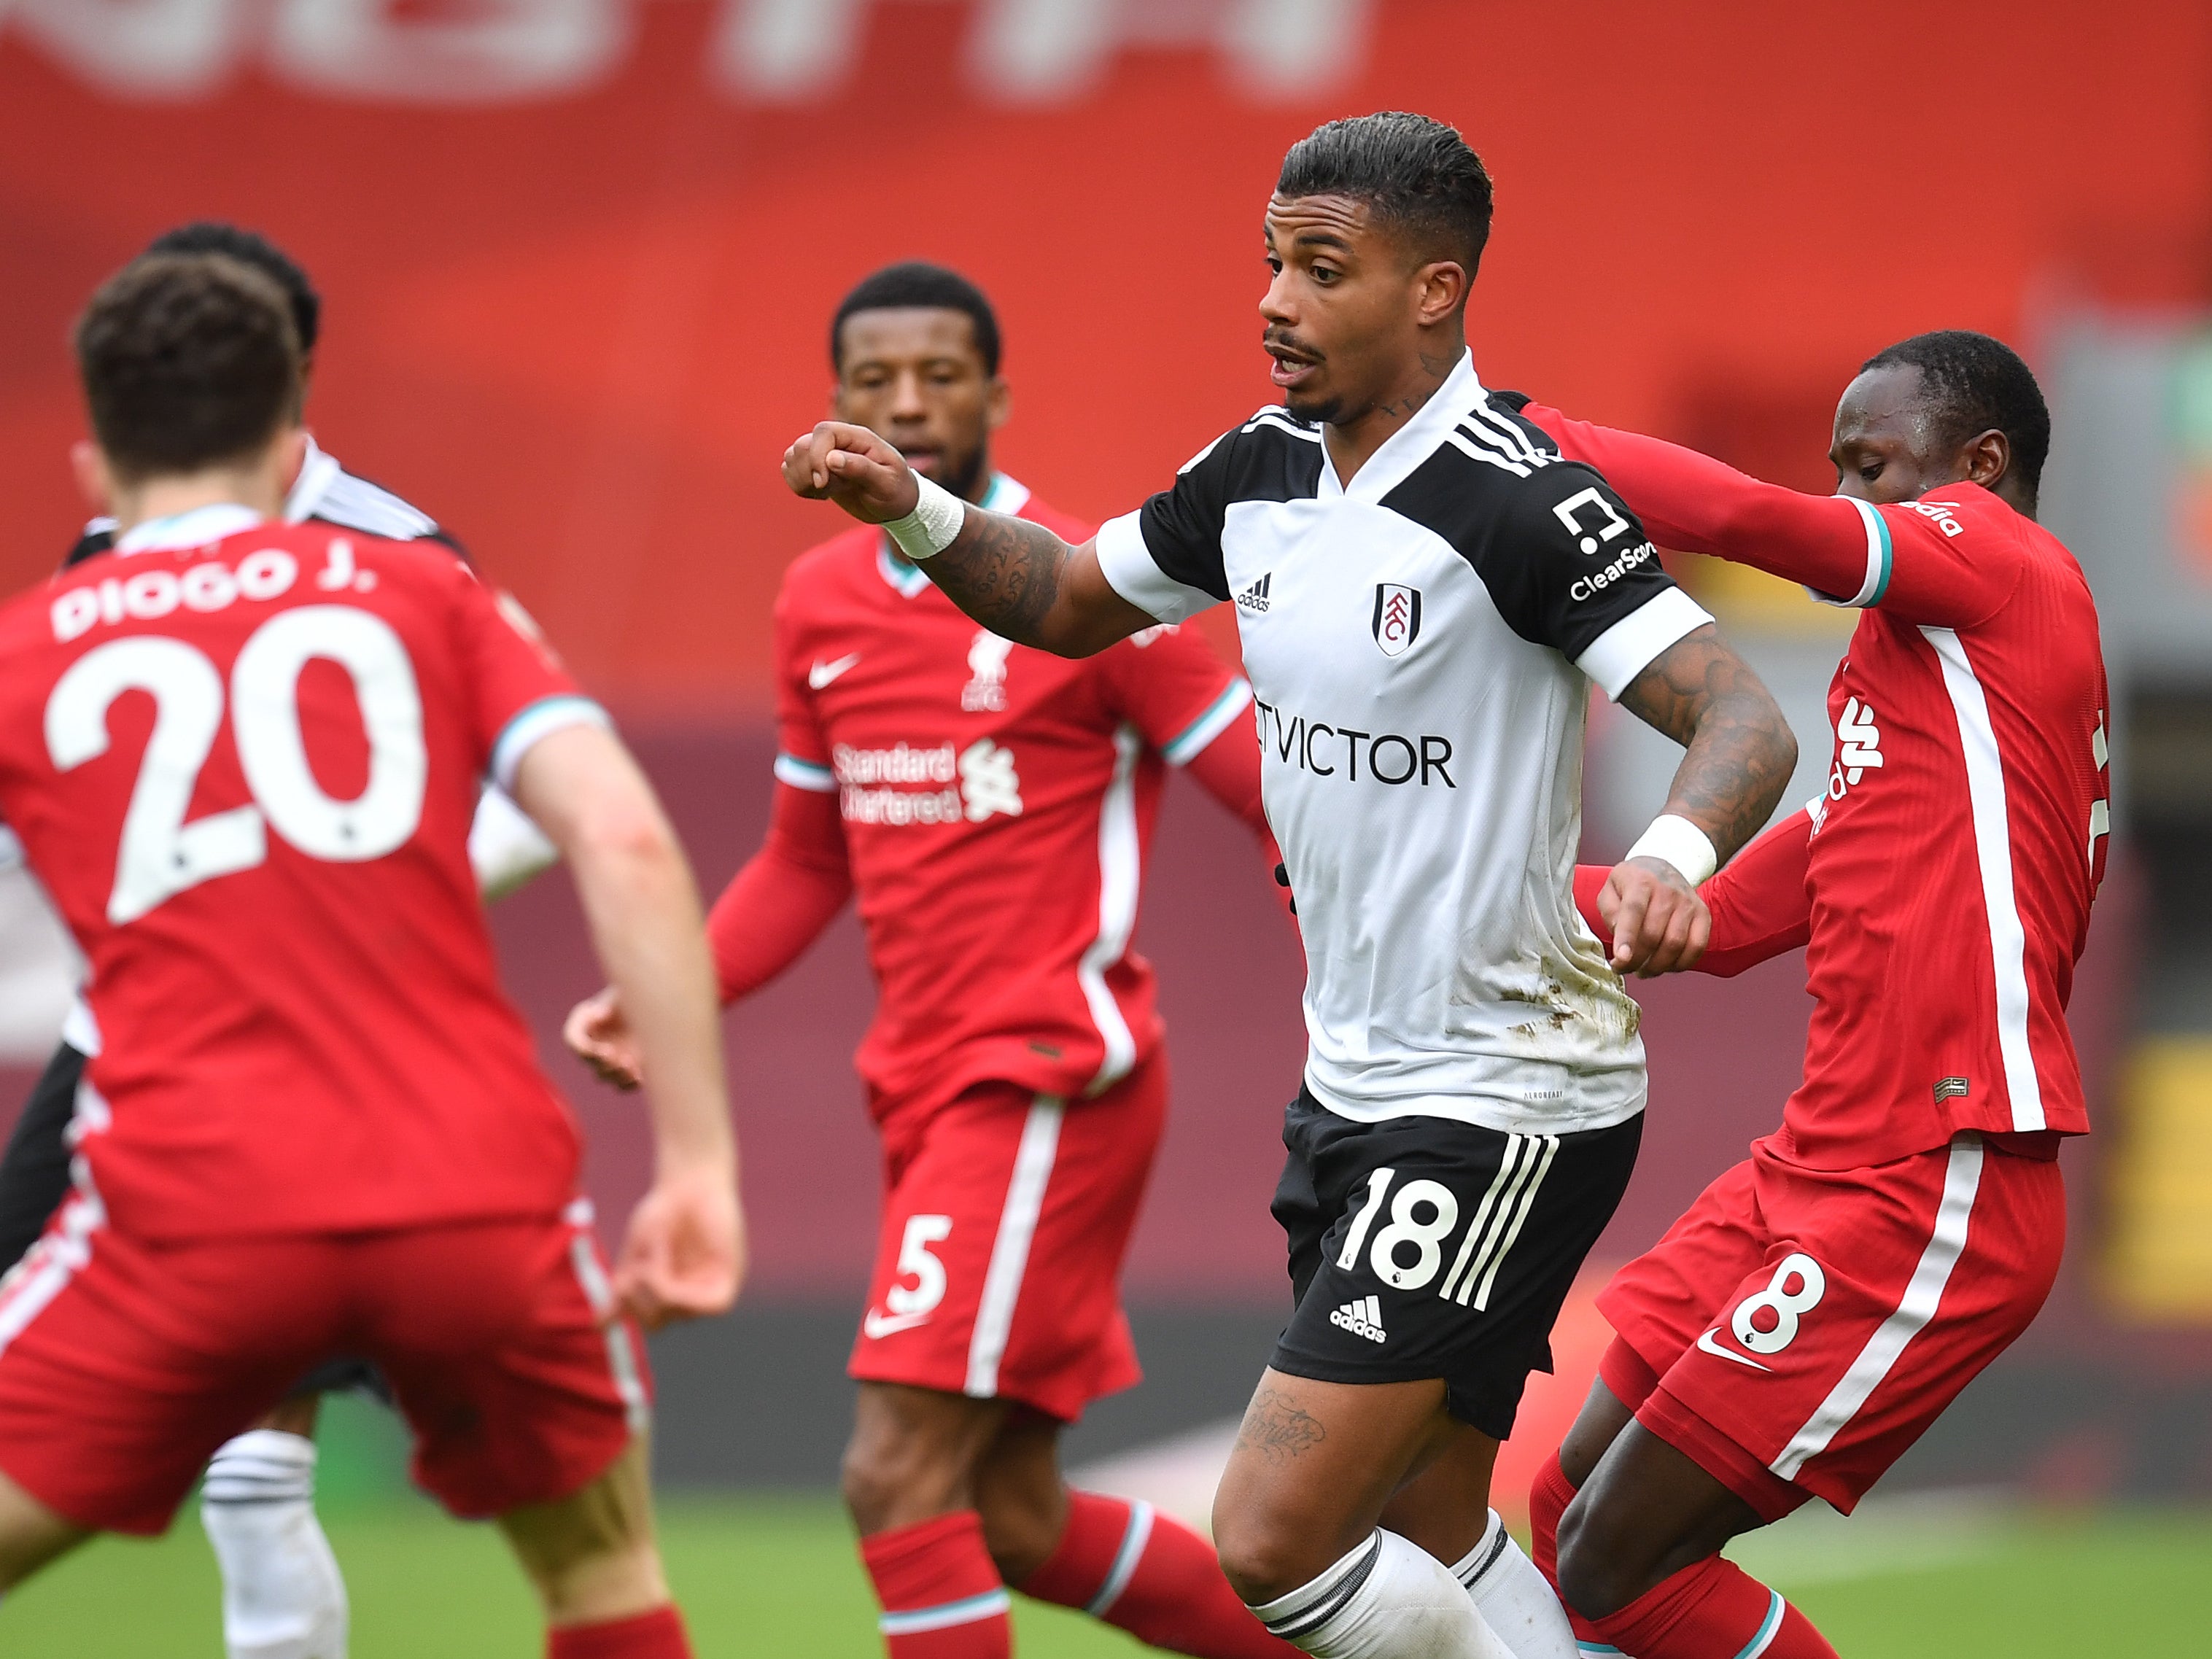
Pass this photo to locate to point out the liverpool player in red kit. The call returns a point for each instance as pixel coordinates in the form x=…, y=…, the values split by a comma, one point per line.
x=1822, y=1302
x=243, y=757
x=990, y=805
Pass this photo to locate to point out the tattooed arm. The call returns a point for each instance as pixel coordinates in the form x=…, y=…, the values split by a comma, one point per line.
x=1741, y=754
x=1016, y=578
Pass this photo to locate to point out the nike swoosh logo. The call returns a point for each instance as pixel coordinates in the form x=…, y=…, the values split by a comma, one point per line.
x=822, y=672
x=879, y=1325
x=1711, y=1346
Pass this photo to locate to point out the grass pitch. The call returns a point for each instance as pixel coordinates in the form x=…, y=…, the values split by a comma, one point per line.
x=765, y=1576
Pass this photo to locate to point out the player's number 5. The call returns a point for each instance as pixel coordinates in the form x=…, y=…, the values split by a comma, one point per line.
x=917, y=1262
x=160, y=854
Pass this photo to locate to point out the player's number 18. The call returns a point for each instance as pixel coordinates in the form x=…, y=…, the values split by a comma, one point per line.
x=160, y=854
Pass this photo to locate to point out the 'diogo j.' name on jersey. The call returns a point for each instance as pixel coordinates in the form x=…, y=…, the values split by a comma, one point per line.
x=243, y=760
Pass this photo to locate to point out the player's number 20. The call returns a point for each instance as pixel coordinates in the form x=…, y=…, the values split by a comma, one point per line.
x=160, y=854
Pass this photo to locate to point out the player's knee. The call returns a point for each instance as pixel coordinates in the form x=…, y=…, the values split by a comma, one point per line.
x=1263, y=1558
x=893, y=1480
x=591, y=1555
x=1597, y=1566
x=1025, y=1511
x=31, y=1534
x=616, y=1581
x=1020, y=1535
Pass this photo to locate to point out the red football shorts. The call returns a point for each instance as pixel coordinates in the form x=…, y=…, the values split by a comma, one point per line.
x=1006, y=1215
x=123, y=1363
x=1799, y=1328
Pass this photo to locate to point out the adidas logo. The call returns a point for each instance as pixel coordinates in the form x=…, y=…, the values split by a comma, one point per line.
x=1255, y=598
x=1363, y=1317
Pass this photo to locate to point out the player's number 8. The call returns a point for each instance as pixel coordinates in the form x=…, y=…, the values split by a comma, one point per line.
x=160, y=854
x=1788, y=1305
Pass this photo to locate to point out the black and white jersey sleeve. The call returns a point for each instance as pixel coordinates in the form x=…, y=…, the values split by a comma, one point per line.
x=1567, y=563
x=1166, y=557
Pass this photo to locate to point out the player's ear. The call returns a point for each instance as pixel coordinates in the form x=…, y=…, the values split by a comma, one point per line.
x=1986, y=459
x=998, y=403
x=1439, y=290
x=292, y=455
x=94, y=482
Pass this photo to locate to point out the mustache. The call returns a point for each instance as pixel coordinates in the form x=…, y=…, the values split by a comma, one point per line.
x=1283, y=339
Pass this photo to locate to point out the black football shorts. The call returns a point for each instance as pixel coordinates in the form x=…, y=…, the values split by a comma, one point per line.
x=1423, y=1247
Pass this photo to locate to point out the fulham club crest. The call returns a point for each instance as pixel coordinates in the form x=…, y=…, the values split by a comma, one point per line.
x=1397, y=622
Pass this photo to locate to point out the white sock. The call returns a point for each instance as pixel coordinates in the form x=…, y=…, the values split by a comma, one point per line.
x=282, y=1596
x=1389, y=1599
x=1515, y=1600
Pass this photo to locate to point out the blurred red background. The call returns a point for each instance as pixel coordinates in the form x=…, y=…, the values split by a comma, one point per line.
x=578, y=330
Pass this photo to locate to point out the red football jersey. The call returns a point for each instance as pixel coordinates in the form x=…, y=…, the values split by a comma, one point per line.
x=1960, y=841
x=997, y=804
x=243, y=757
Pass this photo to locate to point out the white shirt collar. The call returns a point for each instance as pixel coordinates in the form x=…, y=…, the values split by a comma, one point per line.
x=1412, y=443
x=1005, y=494
x=195, y=528
x=319, y=470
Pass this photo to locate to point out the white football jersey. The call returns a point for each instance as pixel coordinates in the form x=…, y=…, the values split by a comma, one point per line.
x=1420, y=645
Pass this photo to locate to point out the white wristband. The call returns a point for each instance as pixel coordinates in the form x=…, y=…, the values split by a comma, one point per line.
x=1680, y=843
x=931, y=527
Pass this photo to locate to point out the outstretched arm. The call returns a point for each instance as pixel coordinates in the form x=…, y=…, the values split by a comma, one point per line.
x=1739, y=755
x=1016, y=578
x=684, y=1253
x=1921, y=561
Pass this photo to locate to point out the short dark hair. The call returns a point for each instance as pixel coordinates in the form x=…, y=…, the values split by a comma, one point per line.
x=1412, y=172
x=188, y=360
x=251, y=247
x=1976, y=384
x=916, y=284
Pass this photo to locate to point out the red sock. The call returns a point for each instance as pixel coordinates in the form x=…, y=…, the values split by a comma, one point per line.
x=655, y=1635
x=1155, y=1578
x=1548, y=1497
x=1715, y=1606
x=940, y=1590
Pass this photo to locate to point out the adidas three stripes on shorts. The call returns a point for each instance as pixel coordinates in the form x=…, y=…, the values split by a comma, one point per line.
x=1423, y=1247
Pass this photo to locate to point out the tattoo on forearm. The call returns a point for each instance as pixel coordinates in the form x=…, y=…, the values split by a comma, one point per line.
x=1003, y=573
x=1740, y=751
x=1277, y=1428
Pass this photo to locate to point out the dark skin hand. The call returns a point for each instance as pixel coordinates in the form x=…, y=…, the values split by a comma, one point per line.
x=1890, y=447
x=1739, y=755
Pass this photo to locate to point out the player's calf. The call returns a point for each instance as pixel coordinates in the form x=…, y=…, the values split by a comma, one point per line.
x=913, y=1453
x=31, y=1534
x=909, y=1479
x=1639, y=1564
x=597, y=1570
